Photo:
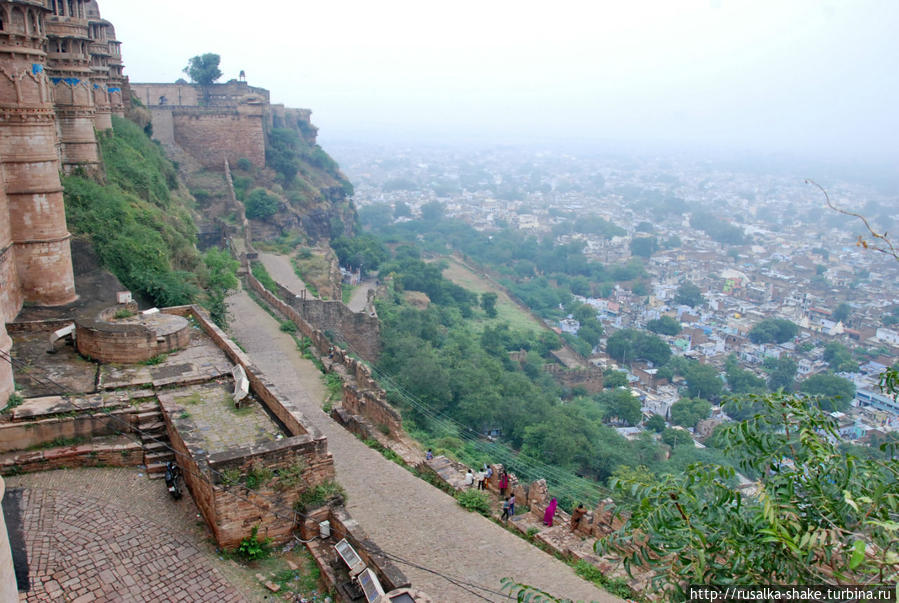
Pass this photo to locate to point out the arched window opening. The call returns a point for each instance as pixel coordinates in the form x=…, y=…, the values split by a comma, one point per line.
x=35, y=30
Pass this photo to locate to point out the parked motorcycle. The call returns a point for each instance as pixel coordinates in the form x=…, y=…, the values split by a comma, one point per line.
x=173, y=479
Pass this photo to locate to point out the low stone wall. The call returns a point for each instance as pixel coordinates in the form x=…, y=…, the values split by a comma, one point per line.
x=344, y=526
x=90, y=454
x=365, y=398
x=373, y=406
x=23, y=435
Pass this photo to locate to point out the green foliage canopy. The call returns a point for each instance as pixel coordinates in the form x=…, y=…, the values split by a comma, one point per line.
x=204, y=69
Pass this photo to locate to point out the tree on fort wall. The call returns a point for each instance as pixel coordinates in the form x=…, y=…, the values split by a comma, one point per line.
x=203, y=69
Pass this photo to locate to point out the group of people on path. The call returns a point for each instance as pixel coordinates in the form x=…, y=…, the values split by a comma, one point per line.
x=482, y=480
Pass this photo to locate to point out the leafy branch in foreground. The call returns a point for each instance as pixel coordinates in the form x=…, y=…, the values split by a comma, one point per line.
x=820, y=515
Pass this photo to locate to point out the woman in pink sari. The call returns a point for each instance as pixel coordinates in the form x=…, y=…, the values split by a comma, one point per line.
x=550, y=512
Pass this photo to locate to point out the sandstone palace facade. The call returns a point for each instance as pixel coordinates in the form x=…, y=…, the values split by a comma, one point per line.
x=60, y=81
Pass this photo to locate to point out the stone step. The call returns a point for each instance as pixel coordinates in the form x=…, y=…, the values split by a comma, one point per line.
x=149, y=416
x=156, y=468
x=152, y=428
x=156, y=475
x=158, y=457
x=156, y=446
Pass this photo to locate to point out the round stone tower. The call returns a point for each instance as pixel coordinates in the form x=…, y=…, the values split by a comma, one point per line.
x=28, y=156
x=97, y=30
x=69, y=70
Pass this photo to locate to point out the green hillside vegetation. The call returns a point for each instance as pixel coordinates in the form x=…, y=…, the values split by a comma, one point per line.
x=141, y=227
x=446, y=361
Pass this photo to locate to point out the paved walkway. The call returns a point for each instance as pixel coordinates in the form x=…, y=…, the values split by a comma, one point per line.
x=360, y=295
x=113, y=535
x=280, y=269
x=406, y=516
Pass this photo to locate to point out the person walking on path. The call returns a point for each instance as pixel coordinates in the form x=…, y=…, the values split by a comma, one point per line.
x=429, y=455
x=505, y=515
x=576, y=515
x=488, y=476
x=512, y=506
x=481, y=476
x=503, y=482
x=550, y=512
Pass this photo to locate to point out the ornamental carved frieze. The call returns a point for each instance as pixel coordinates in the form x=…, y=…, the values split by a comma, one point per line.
x=12, y=114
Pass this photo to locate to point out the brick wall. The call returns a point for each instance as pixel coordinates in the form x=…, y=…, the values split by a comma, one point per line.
x=344, y=526
x=366, y=398
x=22, y=435
x=270, y=506
x=213, y=135
x=373, y=407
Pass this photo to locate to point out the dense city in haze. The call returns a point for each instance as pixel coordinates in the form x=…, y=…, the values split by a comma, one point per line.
x=753, y=244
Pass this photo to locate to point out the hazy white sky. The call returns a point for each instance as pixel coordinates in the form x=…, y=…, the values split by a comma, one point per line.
x=804, y=76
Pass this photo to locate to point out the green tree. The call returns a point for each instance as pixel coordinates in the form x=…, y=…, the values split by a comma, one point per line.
x=620, y=404
x=261, y=205
x=773, y=330
x=221, y=279
x=488, y=303
x=676, y=437
x=688, y=294
x=841, y=314
x=740, y=380
x=703, y=381
x=688, y=412
x=832, y=392
x=432, y=211
x=665, y=325
x=656, y=423
x=644, y=246
x=825, y=517
x=611, y=379
x=204, y=69
x=781, y=373
x=628, y=345
x=840, y=358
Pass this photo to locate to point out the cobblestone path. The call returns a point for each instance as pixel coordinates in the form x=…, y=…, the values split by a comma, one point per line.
x=113, y=535
x=404, y=515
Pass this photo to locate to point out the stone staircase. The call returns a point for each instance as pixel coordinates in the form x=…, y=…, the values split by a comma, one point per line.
x=155, y=442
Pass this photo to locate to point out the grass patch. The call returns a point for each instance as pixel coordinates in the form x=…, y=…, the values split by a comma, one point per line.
x=253, y=548
x=313, y=270
x=258, y=476
x=155, y=360
x=13, y=401
x=60, y=442
x=320, y=495
x=264, y=278
x=386, y=452
x=194, y=398
x=288, y=326
x=230, y=477
x=475, y=501
x=291, y=477
x=518, y=318
x=346, y=293
x=123, y=313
